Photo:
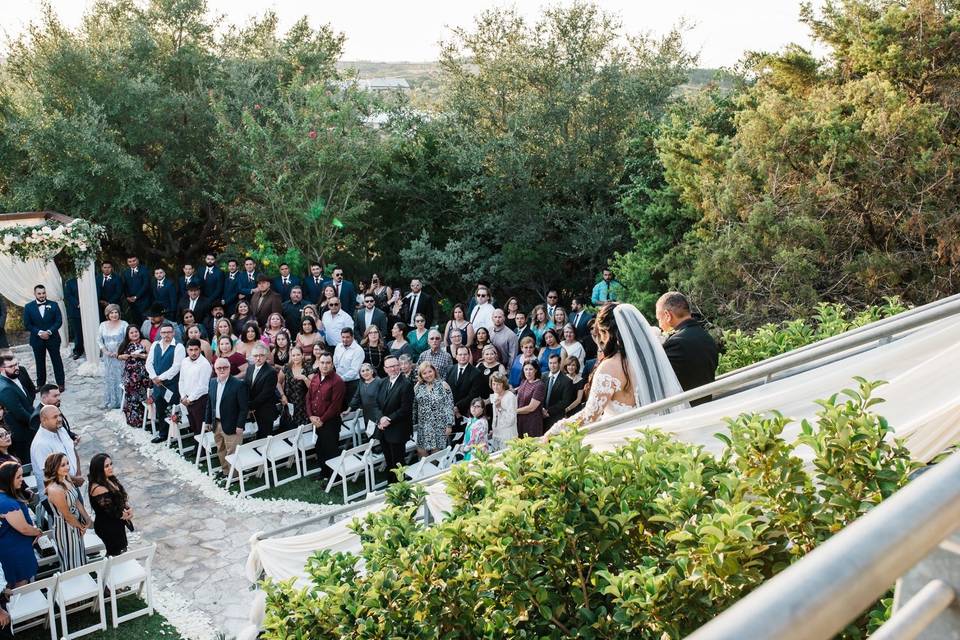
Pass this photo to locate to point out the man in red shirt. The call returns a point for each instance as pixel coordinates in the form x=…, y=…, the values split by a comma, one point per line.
x=324, y=404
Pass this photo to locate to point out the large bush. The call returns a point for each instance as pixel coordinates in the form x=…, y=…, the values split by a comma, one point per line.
x=650, y=540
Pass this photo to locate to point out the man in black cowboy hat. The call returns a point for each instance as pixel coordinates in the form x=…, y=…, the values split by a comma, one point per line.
x=150, y=329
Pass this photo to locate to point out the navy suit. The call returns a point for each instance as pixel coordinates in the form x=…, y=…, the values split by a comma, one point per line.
x=348, y=295
x=165, y=295
x=284, y=289
x=19, y=406
x=247, y=284
x=183, y=283
x=51, y=321
x=109, y=291
x=212, y=284
x=312, y=290
x=233, y=405
x=71, y=299
x=231, y=287
x=137, y=284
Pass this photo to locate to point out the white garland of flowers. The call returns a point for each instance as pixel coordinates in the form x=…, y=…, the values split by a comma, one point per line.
x=78, y=238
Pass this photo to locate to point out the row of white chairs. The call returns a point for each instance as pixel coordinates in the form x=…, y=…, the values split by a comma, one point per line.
x=85, y=588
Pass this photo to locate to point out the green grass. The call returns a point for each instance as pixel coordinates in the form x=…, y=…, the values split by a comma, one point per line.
x=142, y=628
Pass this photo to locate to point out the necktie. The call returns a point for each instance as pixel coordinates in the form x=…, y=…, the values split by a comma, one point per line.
x=134, y=271
x=250, y=275
x=553, y=378
x=338, y=290
x=317, y=280
x=193, y=304
x=607, y=295
x=459, y=374
x=160, y=285
x=286, y=281
x=209, y=272
x=104, y=282
x=576, y=319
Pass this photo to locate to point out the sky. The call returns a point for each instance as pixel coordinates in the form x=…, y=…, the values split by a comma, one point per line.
x=392, y=31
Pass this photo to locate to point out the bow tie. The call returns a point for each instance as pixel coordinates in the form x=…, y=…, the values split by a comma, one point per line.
x=106, y=277
x=232, y=276
x=134, y=271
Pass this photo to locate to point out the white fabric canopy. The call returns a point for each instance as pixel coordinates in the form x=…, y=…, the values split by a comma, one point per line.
x=922, y=404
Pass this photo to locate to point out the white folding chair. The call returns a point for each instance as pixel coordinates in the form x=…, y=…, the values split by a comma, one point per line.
x=175, y=430
x=77, y=586
x=206, y=444
x=150, y=413
x=352, y=427
x=305, y=445
x=246, y=458
x=348, y=465
x=428, y=466
x=30, y=607
x=93, y=544
x=131, y=569
x=282, y=448
x=249, y=430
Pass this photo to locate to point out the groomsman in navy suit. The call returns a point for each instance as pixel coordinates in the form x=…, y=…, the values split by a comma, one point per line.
x=313, y=284
x=136, y=289
x=212, y=279
x=345, y=291
x=164, y=291
x=43, y=320
x=248, y=279
x=231, y=287
x=109, y=287
x=188, y=278
x=284, y=282
x=71, y=300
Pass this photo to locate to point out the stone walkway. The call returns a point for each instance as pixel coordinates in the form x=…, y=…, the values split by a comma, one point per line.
x=201, y=545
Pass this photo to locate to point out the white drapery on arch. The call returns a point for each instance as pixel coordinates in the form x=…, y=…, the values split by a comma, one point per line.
x=18, y=277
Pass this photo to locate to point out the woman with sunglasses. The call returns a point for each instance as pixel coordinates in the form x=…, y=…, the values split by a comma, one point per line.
x=418, y=337
x=6, y=440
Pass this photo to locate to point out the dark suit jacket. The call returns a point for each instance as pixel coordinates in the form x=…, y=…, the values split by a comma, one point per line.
x=271, y=304
x=35, y=422
x=233, y=406
x=245, y=285
x=526, y=331
x=165, y=295
x=694, y=355
x=348, y=295
x=284, y=289
x=292, y=316
x=200, y=311
x=111, y=292
x=51, y=321
x=262, y=393
x=581, y=325
x=425, y=307
x=183, y=283
x=71, y=298
x=379, y=319
x=212, y=284
x=138, y=285
x=19, y=406
x=396, y=402
x=560, y=398
x=230, y=290
x=311, y=290
x=472, y=384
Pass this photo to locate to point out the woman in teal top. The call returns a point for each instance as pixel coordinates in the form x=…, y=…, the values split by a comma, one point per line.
x=551, y=346
x=418, y=337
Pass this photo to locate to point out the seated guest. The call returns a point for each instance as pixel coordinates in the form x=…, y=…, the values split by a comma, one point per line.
x=399, y=346
x=261, y=381
x=264, y=302
x=308, y=336
x=226, y=411
x=237, y=361
x=527, y=354
x=293, y=309
x=481, y=340
x=313, y=284
x=249, y=338
x=150, y=329
x=559, y=394
x=285, y=282
x=369, y=316
x=242, y=317
x=692, y=351
x=6, y=440
x=458, y=324
x=324, y=405
x=193, y=333
x=347, y=358
x=136, y=381
x=16, y=395
x=164, y=291
x=335, y=320
x=436, y=355
x=163, y=366
x=110, y=505
x=188, y=279
x=195, y=374
x=503, y=405
x=195, y=303
x=280, y=351
x=16, y=528
x=374, y=351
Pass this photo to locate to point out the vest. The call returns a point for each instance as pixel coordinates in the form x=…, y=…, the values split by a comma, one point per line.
x=163, y=362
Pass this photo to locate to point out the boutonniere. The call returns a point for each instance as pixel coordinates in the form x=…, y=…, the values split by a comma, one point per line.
x=46, y=306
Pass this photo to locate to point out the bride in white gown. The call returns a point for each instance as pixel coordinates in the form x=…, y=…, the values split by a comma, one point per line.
x=633, y=370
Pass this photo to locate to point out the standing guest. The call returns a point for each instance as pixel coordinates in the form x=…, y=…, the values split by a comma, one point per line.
x=511, y=309
x=374, y=351
x=481, y=340
x=217, y=313
x=109, y=288
x=193, y=333
x=150, y=329
x=294, y=382
x=419, y=336
x=335, y=320
x=475, y=431
x=230, y=295
x=4, y=343
x=579, y=317
x=395, y=411
x=407, y=368
x=6, y=441
x=242, y=317
x=194, y=302
x=361, y=288
x=272, y=329
x=692, y=351
x=163, y=366
x=308, y=336
x=382, y=294
x=559, y=395
x=344, y=290
x=367, y=393
x=42, y=320
x=481, y=316
x=110, y=505
x=313, y=283
x=249, y=338
x=458, y=324
x=70, y=518
x=347, y=358
x=436, y=354
x=324, y=404
x=521, y=330
x=50, y=395
x=417, y=302
x=226, y=411
x=293, y=309
x=223, y=329
x=247, y=281
x=261, y=382
x=109, y=336
x=571, y=345
x=188, y=279
x=71, y=300
x=466, y=383
x=482, y=285
x=195, y=374
x=189, y=322
x=527, y=354
x=328, y=292
x=504, y=408
x=572, y=369
x=280, y=351
x=607, y=290
x=502, y=337
x=136, y=381
x=559, y=318
x=456, y=341
x=399, y=346
x=489, y=364
x=369, y=316
x=432, y=409
x=551, y=346
x=284, y=283
x=553, y=302
x=212, y=280
x=136, y=289
x=530, y=396
x=164, y=291
x=17, y=530
x=16, y=395
x=539, y=322
x=264, y=302
x=310, y=311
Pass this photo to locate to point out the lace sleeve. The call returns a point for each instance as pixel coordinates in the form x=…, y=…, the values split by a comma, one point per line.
x=109, y=503
x=602, y=390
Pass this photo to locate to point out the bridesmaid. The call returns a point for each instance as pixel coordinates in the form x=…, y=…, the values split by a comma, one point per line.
x=136, y=382
x=70, y=519
x=109, y=336
x=109, y=501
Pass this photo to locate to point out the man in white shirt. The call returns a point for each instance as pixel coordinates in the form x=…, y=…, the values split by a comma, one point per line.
x=195, y=372
x=334, y=321
x=163, y=366
x=502, y=337
x=347, y=358
x=52, y=438
x=482, y=314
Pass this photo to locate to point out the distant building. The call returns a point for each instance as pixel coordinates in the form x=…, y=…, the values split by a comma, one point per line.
x=383, y=84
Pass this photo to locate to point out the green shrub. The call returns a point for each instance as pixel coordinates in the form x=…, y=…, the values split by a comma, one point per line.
x=745, y=348
x=650, y=540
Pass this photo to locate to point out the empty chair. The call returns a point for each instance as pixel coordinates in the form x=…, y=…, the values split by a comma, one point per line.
x=305, y=445
x=132, y=569
x=150, y=413
x=32, y=605
x=93, y=544
x=429, y=465
x=78, y=587
x=350, y=464
x=352, y=428
x=179, y=429
x=206, y=445
x=282, y=448
x=248, y=457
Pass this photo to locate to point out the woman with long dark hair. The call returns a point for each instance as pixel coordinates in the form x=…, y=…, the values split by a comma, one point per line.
x=136, y=382
x=241, y=317
x=17, y=531
x=109, y=501
x=70, y=519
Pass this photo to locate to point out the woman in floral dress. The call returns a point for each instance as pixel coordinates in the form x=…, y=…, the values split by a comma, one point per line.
x=133, y=353
x=432, y=410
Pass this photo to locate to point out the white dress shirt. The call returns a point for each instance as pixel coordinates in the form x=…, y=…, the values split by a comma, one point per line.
x=174, y=369
x=221, y=387
x=195, y=378
x=347, y=361
x=482, y=316
x=332, y=324
x=47, y=442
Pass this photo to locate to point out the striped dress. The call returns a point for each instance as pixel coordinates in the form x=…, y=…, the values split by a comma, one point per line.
x=69, y=542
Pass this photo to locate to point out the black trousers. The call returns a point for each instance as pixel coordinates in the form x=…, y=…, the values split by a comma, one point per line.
x=394, y=454
x=264, y=417
x=328, y=440
x=76, y=330
x=50, y=346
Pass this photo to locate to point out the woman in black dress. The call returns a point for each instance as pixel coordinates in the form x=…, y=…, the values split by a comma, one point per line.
x=374, y=351
x=109, y=500
x=366, y=396
x=293, y=382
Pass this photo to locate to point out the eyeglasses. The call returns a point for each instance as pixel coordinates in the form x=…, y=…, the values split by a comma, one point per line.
x=4, y=434
x=434, y=338
x=224, y=368
x=419, y=320
x=368, y=301
x=551, y=297
x=333, y=304
x=481, y=295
